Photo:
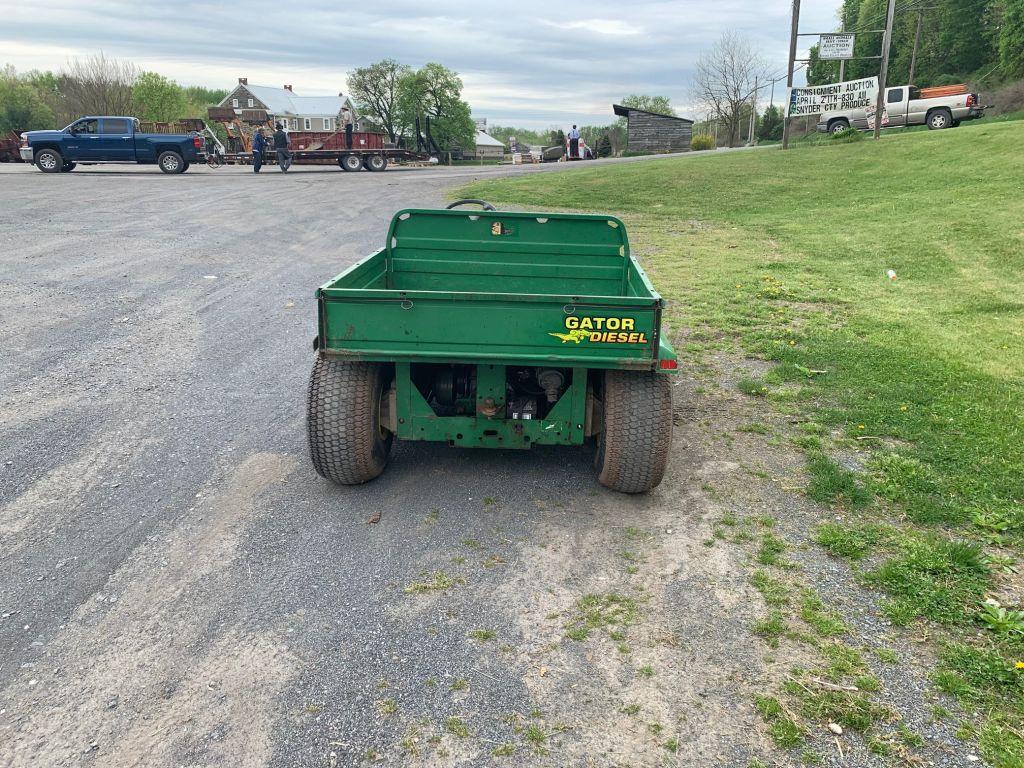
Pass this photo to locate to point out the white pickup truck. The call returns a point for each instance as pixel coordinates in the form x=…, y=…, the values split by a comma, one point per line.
x=906, y=105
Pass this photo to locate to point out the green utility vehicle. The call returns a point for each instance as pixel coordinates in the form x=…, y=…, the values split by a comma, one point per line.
x=493, y=329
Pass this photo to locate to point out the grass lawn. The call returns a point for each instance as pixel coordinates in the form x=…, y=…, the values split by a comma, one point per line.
x=785, y=256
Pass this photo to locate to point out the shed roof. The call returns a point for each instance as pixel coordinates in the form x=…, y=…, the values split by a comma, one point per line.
x=622, y=111
x=486, y=140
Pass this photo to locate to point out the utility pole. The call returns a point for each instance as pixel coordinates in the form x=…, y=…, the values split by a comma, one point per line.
x=886, y=42
x=753, y=114
x=842, y=62
x=794, y=28
x=917, y=39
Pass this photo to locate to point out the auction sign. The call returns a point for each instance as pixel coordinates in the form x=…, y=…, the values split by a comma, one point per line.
x=836, y=46
x=815, y=99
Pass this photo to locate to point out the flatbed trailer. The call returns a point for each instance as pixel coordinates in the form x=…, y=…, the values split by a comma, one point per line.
x=493, y=329
x=346, y=159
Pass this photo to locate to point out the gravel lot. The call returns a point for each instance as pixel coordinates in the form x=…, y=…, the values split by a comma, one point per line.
x=181, y=589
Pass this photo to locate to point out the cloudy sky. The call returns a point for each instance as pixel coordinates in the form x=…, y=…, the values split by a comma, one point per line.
x=544, y=64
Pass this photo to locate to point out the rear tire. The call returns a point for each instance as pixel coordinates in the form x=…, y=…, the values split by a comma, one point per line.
x=939, y=119
x=171, y=162
x=634, y=444
x=49, y=161
x=350, y=162
x=838, y=126
x=347, y=443
x=375, y=163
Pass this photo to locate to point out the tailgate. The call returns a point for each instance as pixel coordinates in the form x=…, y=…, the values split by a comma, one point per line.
x=530, y=329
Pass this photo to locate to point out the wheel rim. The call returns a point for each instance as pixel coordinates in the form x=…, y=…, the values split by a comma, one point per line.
x=352, y=162
x=47, y=160
x=377, y=163
x=938, y=121
x=171, y=163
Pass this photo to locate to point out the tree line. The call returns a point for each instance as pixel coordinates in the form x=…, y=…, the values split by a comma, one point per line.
x=96, y=85
x=957, y=41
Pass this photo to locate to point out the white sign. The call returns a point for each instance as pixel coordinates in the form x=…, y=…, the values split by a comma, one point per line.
x=836, y=46
x=815, y=99
x=869, y=113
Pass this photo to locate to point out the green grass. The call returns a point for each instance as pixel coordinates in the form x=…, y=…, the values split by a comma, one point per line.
x=602, y=612
x=782, y=729
x=456, y=726
x=783, y=256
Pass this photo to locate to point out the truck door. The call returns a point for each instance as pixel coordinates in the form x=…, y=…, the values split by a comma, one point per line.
x=83, y=138
x=896, y=106
x=116, y=141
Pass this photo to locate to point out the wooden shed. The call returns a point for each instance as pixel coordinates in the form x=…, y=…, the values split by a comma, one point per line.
x=651, y=132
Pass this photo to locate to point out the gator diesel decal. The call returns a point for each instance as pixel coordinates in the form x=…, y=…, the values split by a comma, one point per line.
x=607, y=330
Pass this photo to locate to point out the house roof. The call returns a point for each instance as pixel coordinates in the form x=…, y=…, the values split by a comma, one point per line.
x=486, y=140
x=622, y=111
x=281, y=101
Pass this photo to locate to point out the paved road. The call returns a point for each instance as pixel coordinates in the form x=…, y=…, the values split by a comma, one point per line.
x=180, y=588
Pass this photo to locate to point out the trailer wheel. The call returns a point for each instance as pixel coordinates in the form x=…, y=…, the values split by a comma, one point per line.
x=350, y=162
x=347, y=442
x=49, y=161
x=375, y=162
x=170, y=162
x=633, y=447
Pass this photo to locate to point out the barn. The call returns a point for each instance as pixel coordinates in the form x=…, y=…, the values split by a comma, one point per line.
x=651, y=132
x=487, y=146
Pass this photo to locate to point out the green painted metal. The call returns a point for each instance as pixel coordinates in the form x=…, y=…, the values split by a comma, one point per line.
x=498, y=287
x=564, y=425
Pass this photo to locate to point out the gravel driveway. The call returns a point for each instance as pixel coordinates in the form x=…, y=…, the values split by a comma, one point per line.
x=181, y=589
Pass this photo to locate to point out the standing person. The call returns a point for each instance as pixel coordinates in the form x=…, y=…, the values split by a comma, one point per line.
x=347, y=123
x=574, y=143
x=259, y=144
x=284, y=157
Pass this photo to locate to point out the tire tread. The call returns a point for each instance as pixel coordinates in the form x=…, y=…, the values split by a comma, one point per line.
x=637, y=435
x=342, y=421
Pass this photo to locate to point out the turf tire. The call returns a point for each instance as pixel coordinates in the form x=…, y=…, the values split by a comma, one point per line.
x=346, y=442
x=634, y=444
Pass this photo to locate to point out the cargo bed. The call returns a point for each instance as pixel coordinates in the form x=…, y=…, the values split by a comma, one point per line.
x=533, y=289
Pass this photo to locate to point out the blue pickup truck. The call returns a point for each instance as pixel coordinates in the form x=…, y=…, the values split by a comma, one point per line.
x=110, y=140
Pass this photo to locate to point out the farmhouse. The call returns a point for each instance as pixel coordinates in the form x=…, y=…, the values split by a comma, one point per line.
x=297, y=113
x=651, y=132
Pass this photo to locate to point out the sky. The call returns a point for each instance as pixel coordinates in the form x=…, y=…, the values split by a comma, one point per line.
x=529, y=64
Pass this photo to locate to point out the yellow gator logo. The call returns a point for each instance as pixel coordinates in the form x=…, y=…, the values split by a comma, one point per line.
x=607, y=330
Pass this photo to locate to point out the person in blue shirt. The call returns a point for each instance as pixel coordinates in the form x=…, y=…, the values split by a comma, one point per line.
x=574, y=142
x=259, y=143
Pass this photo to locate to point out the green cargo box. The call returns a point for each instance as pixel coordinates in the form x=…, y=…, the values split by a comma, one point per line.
x=493, y=329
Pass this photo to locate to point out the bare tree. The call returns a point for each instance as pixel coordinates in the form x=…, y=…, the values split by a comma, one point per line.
x=724, y=81
x=96, y=86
